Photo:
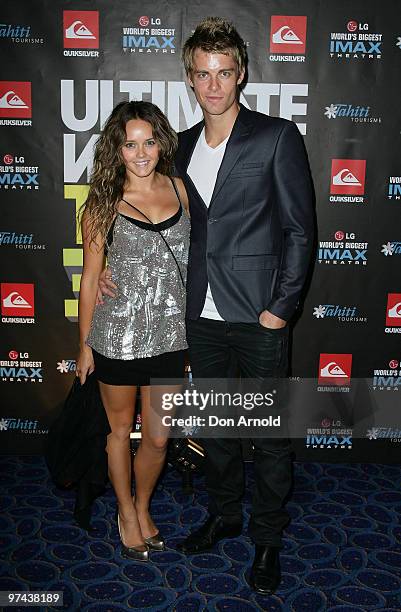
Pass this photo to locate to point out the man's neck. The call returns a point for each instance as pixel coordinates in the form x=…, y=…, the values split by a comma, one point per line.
x=219, y=127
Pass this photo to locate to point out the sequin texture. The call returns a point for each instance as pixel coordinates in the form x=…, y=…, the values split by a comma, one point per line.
x=147, y=316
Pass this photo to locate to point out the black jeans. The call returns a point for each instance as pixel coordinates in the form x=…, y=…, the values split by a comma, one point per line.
x=218, y=349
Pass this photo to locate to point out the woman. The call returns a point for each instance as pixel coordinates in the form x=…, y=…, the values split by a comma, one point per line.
x=134, y=211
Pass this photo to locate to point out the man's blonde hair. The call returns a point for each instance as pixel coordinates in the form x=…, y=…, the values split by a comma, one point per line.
x=215, y=35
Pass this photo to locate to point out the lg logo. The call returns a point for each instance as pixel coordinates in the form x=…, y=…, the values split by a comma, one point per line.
x=339, y=235
x=9, y=159
x=353, y=25
x=15, y=354
x=145, y=21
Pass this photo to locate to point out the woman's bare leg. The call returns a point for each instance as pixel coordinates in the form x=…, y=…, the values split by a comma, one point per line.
x=119, y=403
x=149, y=460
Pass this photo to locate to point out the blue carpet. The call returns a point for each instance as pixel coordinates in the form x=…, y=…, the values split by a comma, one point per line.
x=342, y=551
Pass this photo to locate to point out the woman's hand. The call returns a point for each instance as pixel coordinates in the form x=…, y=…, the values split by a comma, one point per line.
x=105, y=286
x=85, y=364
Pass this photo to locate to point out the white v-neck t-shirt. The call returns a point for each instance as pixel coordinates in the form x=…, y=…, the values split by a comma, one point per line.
x=203, y=168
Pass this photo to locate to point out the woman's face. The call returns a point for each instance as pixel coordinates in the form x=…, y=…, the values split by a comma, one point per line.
x=140, y=151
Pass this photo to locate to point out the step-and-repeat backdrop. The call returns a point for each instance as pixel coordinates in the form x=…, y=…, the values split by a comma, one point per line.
x=333, y=68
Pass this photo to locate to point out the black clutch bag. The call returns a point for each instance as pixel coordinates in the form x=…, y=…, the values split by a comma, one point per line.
x=75, y=450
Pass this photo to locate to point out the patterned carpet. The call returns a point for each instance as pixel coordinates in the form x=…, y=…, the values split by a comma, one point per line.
x=342, y=551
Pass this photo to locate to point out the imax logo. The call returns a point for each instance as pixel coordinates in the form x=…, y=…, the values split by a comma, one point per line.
x=18, y=374
x=343, y=256
x=351, y=47
x=386, y=382
x=328, y=441
x=23, y=181
x=394, y=188
x=149, y=43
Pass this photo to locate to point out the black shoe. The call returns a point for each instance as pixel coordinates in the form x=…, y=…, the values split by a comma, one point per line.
x=265, y=574
x=208, y=535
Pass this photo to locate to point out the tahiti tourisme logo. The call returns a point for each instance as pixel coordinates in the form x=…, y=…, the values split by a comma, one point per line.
x=335, y=370
x=388, y=378
x=21, y=425
x=17, y=302
x=355, y=43
x=16, y=174
x=19, y=34
x=65, y=366
x=356, y=114
x=15, y=103
x=149, y=35
x=384, y=433
x=392, y=247
x=342, y=314
x=19, y=368
x=81, y=31
x=343, y=250
x=287, y=38
x=22, y=242
x=347, y=178
x=393, y=314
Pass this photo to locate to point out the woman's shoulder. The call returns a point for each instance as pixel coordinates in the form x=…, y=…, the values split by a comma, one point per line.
x=179, y=183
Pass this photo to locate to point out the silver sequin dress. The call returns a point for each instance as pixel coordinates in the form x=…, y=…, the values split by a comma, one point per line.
x=147, y=317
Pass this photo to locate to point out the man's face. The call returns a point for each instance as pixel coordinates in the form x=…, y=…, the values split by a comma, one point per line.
x=215, y=78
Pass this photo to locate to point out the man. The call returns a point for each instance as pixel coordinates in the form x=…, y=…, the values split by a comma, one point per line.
x=250, y=194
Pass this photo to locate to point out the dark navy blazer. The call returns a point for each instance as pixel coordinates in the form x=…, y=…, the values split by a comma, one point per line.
x=253, y=243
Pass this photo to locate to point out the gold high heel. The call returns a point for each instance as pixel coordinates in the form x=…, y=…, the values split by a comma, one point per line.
x=156, y=542
x=133, y=552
